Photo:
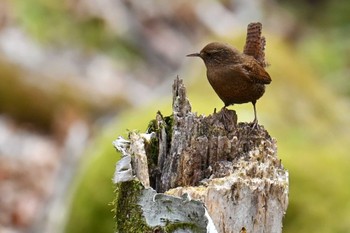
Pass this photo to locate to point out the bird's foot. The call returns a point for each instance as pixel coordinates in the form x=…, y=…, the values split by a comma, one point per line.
x=254, y=125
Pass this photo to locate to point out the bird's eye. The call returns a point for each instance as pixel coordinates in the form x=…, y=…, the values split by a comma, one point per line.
x=209, y=53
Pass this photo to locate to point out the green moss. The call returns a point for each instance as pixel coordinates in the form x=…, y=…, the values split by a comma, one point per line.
x=169, y=120
x=152, y=147
x=171, y=227
x=128, y=214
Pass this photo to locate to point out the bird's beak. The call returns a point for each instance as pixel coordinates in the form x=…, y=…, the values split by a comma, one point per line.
x=193, y=55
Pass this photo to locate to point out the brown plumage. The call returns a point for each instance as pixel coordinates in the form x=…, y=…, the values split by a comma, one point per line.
x=255, y=43
x=236, y=78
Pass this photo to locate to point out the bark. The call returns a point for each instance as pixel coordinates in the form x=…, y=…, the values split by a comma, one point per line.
x=209, y=173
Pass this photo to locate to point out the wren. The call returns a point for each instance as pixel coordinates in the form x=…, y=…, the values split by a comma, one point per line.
x=236, y=77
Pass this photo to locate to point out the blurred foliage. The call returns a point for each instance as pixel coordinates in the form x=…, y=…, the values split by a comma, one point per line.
x=325, y=44
x=321, y=13
x=25, y=104
x=39, y=107
x=328, y=53
x=90, y=210
x=52, y=22
x=304, y=116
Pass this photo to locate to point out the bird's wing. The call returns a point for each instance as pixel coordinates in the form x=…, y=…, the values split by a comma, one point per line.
x=255, y=72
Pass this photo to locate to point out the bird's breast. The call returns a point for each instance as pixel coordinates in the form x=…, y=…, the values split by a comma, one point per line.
x=233, y=86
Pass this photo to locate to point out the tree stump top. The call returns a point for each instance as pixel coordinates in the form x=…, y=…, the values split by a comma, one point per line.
x=233, y=169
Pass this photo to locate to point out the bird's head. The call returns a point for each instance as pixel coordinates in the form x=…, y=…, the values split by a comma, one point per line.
x=217, y=54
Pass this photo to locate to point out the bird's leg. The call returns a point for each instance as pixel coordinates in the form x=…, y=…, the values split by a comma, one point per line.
x=255, y=122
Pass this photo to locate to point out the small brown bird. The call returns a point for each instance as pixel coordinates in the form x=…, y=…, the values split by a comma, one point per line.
x=236, y=77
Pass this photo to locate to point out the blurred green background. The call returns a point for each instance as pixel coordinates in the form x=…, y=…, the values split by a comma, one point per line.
x=112, y=64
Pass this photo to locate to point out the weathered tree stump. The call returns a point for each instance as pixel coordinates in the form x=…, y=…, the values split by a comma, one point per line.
x=192, y=173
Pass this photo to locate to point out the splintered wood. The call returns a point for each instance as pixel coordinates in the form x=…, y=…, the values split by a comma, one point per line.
x=233, y=170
